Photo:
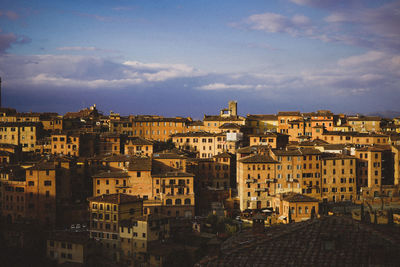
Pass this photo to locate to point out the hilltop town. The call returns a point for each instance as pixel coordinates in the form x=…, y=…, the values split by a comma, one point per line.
x=90, y=189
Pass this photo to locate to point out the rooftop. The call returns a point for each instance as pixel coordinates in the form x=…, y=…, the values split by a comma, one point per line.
x=138, y=141
x=140, y=164
x=265, y=117
x=115, y=198
x=293, y=197
x=316, y=242
x=258, y=159
x=112, y=174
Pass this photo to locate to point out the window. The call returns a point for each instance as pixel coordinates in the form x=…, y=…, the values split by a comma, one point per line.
x=31, y=183
x=138, y=174
x=47, y=183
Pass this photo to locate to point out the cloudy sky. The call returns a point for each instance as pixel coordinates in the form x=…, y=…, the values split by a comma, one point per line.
x=190, y=57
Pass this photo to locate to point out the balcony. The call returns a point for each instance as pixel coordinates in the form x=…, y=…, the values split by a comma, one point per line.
x=271, y=180
x=251, y=180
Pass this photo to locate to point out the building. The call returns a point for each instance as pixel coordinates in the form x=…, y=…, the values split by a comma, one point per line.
x=256, y=181
x=138, y=146
x=111, y=143
x=206, y=144
x=137, y=234
x=339, y=177
x=273, y=140
x=40, y=193
x=106, y=214
x=150, y=127
x=364, y=123
x=69, y=247
x=284, y=117
x=21, y=133
x=213, y=123
x=300, y=207
x=262, y=123
x=73, y=144
x=362, y=139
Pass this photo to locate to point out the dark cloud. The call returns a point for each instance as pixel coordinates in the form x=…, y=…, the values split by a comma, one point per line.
x=63, y=83
x=349, y=22
x=8, y=39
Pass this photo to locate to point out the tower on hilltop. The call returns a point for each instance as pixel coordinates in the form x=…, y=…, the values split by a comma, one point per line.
x=232, y=106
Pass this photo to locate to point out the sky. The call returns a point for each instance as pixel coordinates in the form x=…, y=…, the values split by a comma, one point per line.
x=189, y=58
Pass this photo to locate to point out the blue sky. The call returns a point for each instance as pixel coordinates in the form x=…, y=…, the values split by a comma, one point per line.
x=191, y=57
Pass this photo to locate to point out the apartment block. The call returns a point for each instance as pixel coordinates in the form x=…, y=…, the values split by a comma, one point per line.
x=256, y=181
x=339, y=177
x=21, y=133
x=106, y=214
x=273, y=140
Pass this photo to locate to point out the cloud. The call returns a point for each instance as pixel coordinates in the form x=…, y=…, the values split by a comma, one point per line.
x=95, y=16
x=122, y=8
x=222, y=86
x=349, y=22
x=78, y=48
x=85, y=48
x=368, y=58
x=359, y=81
x=360, y=75
x=156, y=72
x=9, y=14
x=276, y=23
x=87, y=71
x=8, y=39
x=327, y=4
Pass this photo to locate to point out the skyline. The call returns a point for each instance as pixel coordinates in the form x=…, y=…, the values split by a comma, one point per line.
x=141, y=56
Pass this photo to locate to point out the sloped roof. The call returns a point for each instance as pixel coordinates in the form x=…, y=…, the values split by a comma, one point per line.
x=140, y=164
x=258, y=159
x=115, y=198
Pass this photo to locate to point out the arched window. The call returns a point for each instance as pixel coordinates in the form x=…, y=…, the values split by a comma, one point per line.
x=187, y=201
x=178, y=202
x=168, y=201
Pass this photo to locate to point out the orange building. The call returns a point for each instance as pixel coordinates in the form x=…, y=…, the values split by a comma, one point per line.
x=256, y=181
x=363, y=139
x=73, y=144
x=369, y=171
x=324, y=118
x=299, y=206
x=273, y=140
x=213, y=123
x=364, y=123
x=205, y=144
x=106, y=214
x=164, y=189
x=40, y=193
x=339, y=177
x=111, y=143
x=21, y=133
x=149, y=126
x=261, y=123
x=138, y=146
x=284, y=117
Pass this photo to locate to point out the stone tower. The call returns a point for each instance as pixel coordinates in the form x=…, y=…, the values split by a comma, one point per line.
x=232, y=106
